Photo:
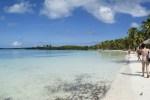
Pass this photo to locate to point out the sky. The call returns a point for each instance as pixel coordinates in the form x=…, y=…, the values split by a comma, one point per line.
x=26, y=23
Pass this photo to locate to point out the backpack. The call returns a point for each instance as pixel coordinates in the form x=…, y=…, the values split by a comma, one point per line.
x=148, y=56
x=139, y=52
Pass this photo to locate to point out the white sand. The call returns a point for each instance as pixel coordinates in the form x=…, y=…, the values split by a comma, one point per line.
x=129, y=85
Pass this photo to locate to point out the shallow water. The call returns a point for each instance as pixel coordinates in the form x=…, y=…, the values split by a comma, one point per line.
x=39, y=75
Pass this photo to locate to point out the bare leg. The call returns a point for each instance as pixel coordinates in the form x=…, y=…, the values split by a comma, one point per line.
x=139, y=57
x=143, y=68
x=147, y=69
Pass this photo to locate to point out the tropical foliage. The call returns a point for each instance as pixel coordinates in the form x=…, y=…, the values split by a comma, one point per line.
x=135, y=36
x=67, y=47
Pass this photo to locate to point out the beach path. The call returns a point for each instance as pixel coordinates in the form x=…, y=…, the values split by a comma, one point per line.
x=129, y=84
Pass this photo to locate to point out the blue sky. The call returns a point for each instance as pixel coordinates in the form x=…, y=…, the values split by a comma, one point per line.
x=67, y=22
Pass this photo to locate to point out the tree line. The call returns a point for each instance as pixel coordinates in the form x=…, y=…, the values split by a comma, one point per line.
x=66, y=47
x=135, y=36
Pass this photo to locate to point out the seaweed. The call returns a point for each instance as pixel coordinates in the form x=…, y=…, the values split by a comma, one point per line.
x=79, y=89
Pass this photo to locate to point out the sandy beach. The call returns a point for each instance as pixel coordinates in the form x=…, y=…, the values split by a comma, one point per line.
x=129, y=85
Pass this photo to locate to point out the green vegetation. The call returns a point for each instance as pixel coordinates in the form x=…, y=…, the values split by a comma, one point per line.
x=67, y=47
x=134, y=38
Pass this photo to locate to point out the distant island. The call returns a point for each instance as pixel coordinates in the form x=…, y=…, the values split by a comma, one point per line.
x=50, y=47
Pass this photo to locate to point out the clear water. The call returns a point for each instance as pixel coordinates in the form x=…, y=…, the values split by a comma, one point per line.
x=26, y=74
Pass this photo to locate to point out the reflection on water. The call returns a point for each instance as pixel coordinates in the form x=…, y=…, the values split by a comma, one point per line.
x=114, y=56
x=13, y=54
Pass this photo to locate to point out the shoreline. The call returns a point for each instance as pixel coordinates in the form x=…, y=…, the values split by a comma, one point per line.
x=120, y=89
x=129, y=84
x=125, y=51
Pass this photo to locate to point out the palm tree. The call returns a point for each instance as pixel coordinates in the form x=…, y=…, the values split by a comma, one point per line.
x=146, y=28
x=140, y=37
x=133, y=36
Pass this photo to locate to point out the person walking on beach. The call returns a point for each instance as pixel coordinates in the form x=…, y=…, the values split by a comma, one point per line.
x=145, y=62
x=128, y=55
x=139, y=53
x=129, y=51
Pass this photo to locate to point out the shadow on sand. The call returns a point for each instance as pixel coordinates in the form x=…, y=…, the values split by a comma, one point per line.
x=131, y=74
x=126, y=61
x=140, y=72
x=134, y=61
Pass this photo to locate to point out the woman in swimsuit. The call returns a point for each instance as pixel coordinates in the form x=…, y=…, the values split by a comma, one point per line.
x=145, y=63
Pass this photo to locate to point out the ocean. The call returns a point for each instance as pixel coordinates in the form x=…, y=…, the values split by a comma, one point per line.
x=55, y=74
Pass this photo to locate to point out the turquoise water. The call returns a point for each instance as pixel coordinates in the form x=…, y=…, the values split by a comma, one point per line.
x=29, y=74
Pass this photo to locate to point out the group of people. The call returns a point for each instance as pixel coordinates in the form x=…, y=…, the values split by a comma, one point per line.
x=143, y=54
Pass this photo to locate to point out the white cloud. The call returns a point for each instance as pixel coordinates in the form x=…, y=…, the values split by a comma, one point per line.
x=132, y=8
x=20, y=8
x=100, y=9
x=16, y=44
x=106, y=14
x=63, y=8
x=56, y=8
x=134, y=24
x=102, y=13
